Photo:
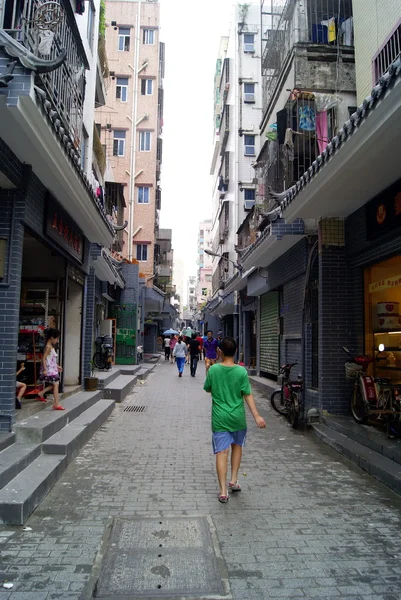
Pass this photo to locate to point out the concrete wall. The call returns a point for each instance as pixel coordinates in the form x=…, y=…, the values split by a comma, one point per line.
x=373, y=22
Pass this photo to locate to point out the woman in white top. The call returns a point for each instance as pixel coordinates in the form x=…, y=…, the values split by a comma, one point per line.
x=180, y=352
x=167, y=348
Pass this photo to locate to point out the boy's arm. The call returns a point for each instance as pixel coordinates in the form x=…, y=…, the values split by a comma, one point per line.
x=249, y=399
x=208, y=384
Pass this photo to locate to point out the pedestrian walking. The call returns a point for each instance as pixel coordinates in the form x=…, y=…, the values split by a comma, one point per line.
x=194, y=349
x=229, y=386
x=180, y=353
x=167, y=342
x=173, y=342
x=210, y=348
x=49, y=369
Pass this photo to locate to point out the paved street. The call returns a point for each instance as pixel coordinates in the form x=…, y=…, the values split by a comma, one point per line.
x=306, y=525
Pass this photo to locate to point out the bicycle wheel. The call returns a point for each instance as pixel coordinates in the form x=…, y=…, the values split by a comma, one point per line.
x=293, y=412
x=359, y=409
x=99, y=361
x=278, y=402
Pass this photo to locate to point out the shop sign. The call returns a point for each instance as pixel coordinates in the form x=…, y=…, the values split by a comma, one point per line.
x=61, y=229
x=383, y=213
x=385, y=284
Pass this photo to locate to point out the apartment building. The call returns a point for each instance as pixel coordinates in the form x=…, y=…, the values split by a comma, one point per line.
x=191, y=294
x=205, y=261
x=320, y=257
x=130, y=125
x=238, y=111
x=56, y=227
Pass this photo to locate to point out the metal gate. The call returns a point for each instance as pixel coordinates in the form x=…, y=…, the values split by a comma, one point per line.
x=269, y=337
x=126, y=324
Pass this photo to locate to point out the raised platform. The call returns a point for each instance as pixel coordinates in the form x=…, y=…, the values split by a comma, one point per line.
x=365, y=446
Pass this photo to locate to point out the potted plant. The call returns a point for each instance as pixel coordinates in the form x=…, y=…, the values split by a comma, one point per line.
x=92, y=382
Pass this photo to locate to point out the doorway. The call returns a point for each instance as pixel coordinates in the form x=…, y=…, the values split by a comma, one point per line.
x=72, y=343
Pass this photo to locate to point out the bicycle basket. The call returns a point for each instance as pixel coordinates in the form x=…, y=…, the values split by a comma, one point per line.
x=352, y=370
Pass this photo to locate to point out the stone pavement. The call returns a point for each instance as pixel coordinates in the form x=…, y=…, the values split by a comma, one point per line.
x=306, y=525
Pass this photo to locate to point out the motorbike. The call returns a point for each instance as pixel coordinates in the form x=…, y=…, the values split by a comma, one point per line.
x=103, y=357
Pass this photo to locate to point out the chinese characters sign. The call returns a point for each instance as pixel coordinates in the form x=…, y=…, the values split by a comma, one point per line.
x=383, y=213
x=62, y=230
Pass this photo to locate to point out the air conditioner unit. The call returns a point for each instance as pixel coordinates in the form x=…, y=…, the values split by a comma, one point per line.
x=249, y=97
x=249, y=150
x=248, y=204
x=249, y=48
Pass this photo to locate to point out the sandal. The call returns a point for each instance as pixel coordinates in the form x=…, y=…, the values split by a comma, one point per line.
x=40, y=398
x=223, y=499
x=234, y=487
x=58, y=407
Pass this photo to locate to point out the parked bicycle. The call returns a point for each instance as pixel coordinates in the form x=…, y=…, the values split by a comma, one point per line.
x=372, y=397
x=287, y=400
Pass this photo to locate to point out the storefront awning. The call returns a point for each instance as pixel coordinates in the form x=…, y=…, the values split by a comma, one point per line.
x=106, y=270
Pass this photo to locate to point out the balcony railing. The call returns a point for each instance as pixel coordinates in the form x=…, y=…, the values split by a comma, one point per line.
x=65, y=86
x=224, y=128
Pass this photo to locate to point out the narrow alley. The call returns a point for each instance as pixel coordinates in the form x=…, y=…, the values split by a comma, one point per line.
x=307, y=524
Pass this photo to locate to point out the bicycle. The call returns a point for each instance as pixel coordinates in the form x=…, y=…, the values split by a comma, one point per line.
x=372, y=397
x=286, y=401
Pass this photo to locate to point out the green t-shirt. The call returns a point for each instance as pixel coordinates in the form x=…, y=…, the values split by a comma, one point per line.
x=228, y=385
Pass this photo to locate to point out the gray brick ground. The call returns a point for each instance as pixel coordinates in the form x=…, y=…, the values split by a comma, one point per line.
x=306, y=525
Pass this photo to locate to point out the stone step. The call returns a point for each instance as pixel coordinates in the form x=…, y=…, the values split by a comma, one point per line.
x=145, y=370
x=74, y=436
x=381, y=468
x=38, y=428
x=129, y=369
x=20, y=497
x=120, y=387
x=6, y=439
x=367, y=436
x=106, y=377
x=15, y=459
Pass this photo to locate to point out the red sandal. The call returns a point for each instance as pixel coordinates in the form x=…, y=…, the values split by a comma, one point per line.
x=58, y=407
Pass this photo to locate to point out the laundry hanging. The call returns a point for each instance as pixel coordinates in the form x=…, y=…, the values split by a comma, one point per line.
x=322, y=130
x=307, y=118
x=331, y=29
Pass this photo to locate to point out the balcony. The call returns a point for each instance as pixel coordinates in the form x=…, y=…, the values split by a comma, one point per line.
x=224, y=223
x=102, y=73
x=42, y=112
x=224, y=128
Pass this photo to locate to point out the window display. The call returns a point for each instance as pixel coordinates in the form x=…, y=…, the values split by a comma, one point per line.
x=383, y=317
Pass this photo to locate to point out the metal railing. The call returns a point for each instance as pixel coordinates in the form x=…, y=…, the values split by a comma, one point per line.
x=65, y=86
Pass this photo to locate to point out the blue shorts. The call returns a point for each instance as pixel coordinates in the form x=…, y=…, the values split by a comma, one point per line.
x=222, y=440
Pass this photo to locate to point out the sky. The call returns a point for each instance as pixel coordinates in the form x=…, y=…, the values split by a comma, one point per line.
x=191, y=32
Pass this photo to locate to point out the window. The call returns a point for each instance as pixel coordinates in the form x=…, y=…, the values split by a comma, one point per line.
x=91, y=23
x=249, y=198
x=144, y=141
x=249, y=145
x=122, y=89
x=249, y=92
x=142, y=252
x=148, y=36
x=124, y=38
x=249, y=42
x=118, y=143
x=147, y=87
x=143, y=194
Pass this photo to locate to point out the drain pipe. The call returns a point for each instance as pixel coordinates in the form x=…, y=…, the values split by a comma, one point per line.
x=134, y=132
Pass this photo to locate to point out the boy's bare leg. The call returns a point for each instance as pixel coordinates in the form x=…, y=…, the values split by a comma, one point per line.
x=221, y=468
x=21, y=391
x=236, y=455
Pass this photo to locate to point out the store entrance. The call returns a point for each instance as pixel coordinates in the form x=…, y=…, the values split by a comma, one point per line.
x=72, y=343
x=383, y=317
x=41, y=306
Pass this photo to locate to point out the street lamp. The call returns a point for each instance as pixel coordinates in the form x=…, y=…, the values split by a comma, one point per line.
x=236, y=264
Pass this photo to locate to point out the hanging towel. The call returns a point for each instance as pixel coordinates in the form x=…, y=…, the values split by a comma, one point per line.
x=306, y=118
x=322, y=130
x=331, y=29
x=347, y=30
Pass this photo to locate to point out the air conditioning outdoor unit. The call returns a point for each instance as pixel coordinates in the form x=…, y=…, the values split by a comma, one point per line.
x=249, y=48
x=249, y=97
x=248, y=204
x=249, y=150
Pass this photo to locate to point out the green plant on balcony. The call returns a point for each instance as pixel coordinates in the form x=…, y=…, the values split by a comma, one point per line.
x=98, y=150
x=102, y=19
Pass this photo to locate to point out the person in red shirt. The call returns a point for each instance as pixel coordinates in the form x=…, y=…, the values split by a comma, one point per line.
x=199, y=339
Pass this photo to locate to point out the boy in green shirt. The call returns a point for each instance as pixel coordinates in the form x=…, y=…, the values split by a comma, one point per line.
x=229, y=386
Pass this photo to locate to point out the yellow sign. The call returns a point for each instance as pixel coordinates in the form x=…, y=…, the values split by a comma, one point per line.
x=385, y=284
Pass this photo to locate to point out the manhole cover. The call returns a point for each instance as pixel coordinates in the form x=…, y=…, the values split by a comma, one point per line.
x=146, y=559
x=134, y=409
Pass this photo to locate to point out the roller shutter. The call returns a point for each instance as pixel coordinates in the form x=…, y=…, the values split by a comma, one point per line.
x=269, y=338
